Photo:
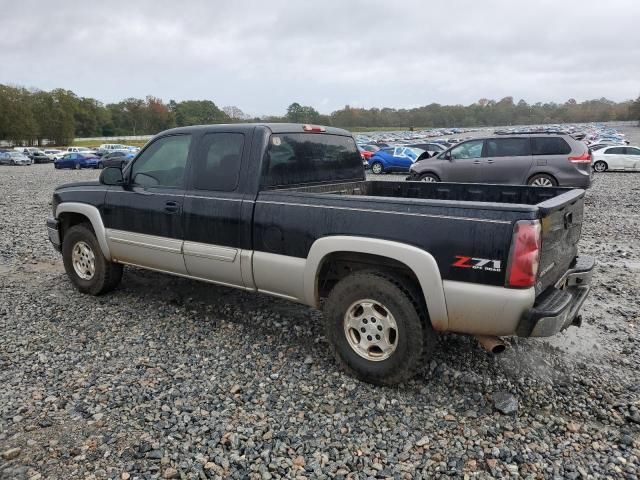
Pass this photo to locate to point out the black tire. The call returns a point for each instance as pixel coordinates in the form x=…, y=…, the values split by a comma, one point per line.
x=377, y=168
x=107, y=275
x=100, y=165
x=429, y=177
x=12, y=162
x=542, y=180
x=415, y=338
x=77, y=166
x=600, y=166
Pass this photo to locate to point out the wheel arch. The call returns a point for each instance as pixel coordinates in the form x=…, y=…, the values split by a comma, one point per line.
x=72, y=213
x=418, y=262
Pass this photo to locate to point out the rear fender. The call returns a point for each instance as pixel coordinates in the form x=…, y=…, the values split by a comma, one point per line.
x=420, y=262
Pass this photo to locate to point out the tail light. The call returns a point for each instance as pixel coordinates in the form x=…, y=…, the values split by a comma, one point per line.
x=585, y=157
x=524, y=257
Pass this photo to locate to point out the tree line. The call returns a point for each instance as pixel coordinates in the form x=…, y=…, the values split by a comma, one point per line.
x=30, y=116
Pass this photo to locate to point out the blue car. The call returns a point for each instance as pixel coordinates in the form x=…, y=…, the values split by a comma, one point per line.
x=77, y=161
x=395, y=159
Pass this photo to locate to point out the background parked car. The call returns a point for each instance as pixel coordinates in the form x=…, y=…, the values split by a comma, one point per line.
x=394, y=159
x=80, y=150
x=14, y=158
x=617, y=158
x=116, y=159
x=432, y=147
x=53, y=153
x=77, y=161
x=541, y=160
x=38, y=156
x=111, y=147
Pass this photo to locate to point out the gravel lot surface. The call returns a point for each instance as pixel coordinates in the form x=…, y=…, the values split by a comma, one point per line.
x=169, y=378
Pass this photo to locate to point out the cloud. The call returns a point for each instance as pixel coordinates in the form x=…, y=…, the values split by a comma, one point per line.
x=261, y=56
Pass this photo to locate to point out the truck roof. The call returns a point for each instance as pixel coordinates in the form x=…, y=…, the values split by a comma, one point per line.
x=244, y=127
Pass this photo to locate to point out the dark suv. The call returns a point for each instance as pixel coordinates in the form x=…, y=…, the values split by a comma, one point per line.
x=544, y=160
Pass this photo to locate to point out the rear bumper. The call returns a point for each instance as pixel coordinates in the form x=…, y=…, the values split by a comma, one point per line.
x=53, y=230
x=558, y=307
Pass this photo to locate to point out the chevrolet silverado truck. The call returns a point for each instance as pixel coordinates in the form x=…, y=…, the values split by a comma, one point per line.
x=286, y=210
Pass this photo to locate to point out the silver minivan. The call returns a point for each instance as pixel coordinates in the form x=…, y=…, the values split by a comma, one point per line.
x=543, y=160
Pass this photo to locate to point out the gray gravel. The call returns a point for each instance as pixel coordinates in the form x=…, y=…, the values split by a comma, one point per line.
x=169, y=378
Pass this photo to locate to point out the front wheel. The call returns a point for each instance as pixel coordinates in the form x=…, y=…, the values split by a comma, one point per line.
x=377, y=168
x=600, y=166
x=542, y=180
x=378, y=328
x=77, y=166
x=84, y=263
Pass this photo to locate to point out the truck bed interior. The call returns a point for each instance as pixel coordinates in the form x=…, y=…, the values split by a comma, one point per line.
x=466, y=192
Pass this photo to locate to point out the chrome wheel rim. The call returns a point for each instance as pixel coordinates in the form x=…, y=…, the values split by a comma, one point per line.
x=428, y=178
x=377, y=168
x=599, y=167
x=542, y=182
x=371, y=330
x=83, y=260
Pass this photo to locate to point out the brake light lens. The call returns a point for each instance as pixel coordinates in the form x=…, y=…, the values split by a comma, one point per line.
x=524, y=257
x=585, y=157
x=313, y=128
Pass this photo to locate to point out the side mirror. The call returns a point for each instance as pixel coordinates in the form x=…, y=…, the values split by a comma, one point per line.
x=447, y=156
x=111, y=176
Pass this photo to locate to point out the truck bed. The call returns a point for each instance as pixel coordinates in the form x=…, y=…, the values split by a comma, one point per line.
x=446, y=219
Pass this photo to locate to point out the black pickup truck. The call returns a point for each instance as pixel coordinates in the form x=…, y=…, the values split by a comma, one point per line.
x=285, y=209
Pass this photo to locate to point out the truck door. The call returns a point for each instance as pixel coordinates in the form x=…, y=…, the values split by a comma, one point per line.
x=217, y=218
x=144, y=217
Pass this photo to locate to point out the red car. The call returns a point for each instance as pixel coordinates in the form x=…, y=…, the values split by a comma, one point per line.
x=367, y=151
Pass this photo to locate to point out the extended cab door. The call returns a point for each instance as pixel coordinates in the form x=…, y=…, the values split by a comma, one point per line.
x=144, y=216
x=464, y=162
x=217, y=218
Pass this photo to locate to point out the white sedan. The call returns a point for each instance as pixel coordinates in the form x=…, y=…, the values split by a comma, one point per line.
x=616, y=157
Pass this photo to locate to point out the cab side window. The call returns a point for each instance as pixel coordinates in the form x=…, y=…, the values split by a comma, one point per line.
x=163, y=163
x=217, y=164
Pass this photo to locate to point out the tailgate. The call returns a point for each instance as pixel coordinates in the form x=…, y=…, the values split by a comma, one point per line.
x=561, y=219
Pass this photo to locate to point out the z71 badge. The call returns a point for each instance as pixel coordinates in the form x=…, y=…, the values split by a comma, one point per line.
x=477, y=263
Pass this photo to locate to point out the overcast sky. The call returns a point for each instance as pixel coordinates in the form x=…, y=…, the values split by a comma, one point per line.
x=263, y=55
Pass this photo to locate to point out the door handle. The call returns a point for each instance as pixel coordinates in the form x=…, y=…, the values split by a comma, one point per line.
x=172, y=207
x=477, y=162
x=489, y=161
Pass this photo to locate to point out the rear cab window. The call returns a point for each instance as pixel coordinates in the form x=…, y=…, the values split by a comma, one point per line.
x=306, y=158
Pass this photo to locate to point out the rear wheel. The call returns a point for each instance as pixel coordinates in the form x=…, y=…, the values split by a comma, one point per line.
x=378, y=329
x=377, y=168
x=84, y=263
x=429, y=177
x=600, y=166
x=542, y=180
x=100, y=166
x=77, y=166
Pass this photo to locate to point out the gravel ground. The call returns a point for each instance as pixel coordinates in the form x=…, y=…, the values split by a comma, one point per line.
x=169, y=378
